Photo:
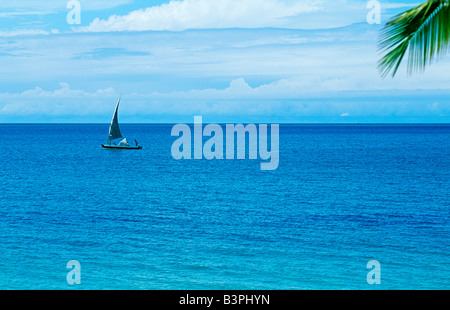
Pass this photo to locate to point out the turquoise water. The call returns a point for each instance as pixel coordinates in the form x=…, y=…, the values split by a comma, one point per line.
x=342, y=195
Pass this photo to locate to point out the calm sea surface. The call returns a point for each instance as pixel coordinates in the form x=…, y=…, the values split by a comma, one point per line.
x=342, y=195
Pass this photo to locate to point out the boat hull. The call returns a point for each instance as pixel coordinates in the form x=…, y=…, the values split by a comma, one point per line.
x=122, y=147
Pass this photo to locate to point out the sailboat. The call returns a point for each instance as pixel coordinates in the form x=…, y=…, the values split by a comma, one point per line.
x=114, y=133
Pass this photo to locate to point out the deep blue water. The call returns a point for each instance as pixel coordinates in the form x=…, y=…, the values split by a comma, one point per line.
x=342, y=195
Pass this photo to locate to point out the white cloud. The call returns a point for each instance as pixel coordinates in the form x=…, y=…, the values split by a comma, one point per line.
x=61, y=101
x=63, y=92
x=180, y=15
x=89, y=5
x=22, y=13
x=397, y=5
x=195, y=14
x=23, y=32
x=238, y=101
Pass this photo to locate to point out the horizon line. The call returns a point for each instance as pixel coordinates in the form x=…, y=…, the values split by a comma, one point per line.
x=280, y=123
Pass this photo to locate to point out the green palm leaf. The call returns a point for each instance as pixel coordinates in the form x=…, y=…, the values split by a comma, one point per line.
x=423, y=31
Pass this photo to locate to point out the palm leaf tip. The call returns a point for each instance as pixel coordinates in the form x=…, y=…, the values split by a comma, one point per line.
x=423, y=31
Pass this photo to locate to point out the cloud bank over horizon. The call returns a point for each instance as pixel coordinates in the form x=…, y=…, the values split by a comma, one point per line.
x=239, y=102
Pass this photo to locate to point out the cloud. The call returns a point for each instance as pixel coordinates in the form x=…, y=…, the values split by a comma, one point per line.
x=22, y=13
x=23, y=5
x=271, y=74
x=23, y=32
x=103, y=53
x=278, y=63
x=195, y=14
x=238, y=102
x=180, y=15
x=61, y=101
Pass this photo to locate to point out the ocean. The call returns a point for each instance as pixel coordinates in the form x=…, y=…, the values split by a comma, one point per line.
x=342, y=195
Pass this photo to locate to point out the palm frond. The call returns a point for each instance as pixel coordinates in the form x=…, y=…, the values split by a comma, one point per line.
x=423, y=31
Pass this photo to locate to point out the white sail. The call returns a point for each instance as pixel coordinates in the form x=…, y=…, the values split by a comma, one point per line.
x=124, y=142
x=114, y=131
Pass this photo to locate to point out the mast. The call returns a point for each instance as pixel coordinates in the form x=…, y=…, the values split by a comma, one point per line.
x=114, y=131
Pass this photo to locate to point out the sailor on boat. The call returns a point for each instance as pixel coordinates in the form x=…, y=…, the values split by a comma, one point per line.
x=114, y=133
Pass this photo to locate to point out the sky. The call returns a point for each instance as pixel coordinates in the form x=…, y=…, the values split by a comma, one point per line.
x=258, y=61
